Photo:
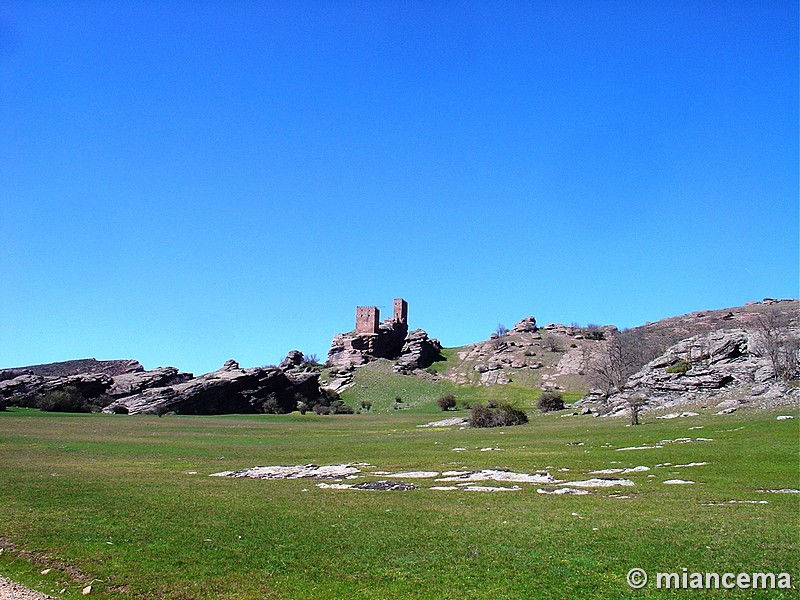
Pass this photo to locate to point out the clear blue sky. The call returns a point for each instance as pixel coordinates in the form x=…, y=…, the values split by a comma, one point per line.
x=187, y=182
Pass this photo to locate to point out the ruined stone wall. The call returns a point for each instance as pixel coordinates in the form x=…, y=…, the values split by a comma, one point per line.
x=367, y=319
x=400, y=310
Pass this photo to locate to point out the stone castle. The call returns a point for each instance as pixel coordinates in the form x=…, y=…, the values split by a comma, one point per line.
x=390, y=339
x=368, y=318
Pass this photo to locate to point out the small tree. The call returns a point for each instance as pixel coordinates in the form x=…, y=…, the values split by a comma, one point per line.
x=780, y=345
x=635, y=405
x=447, y=402
x=501, y=330
x=552, y=343
x=311, y=360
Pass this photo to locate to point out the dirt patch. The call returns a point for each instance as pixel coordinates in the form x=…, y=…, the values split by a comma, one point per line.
x=10, y=590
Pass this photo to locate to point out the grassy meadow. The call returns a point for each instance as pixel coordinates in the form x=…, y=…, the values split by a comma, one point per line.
x=126, y=504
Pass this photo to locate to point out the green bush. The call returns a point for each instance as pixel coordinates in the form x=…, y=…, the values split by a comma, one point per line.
x=67, y=399
x=550, y=401
x=682, y=366
x=595, y=335
x=499, y=416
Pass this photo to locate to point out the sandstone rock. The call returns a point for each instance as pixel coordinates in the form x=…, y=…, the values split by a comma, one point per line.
x=419, y=351
x=359, y=348
x=294, y=360
x=526, y=325
x=136, y=382
x=230, y=389
x=91, y=385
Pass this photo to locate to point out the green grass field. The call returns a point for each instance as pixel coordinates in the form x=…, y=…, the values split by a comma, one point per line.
x=127, y=502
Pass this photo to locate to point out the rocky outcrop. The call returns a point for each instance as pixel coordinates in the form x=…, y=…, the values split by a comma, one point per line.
x=231, y=389
x=359, y=348
x=28, y=385
x=112, y=368
x=419, y=351
x=137, y=382
x=526, y=325
x=711, y=367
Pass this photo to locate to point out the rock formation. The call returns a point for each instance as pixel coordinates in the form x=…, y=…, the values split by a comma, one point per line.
x=711, y=367
x=230, y=389
x=133, y=390
x=128, y=384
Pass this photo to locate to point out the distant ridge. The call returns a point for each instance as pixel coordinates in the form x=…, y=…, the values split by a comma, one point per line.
x=78, y=366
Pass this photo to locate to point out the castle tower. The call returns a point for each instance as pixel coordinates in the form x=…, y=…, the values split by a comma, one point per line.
x=400, y=310
x=367, y=319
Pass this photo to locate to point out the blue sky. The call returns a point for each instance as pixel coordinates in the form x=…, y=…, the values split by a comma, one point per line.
x=187, y=182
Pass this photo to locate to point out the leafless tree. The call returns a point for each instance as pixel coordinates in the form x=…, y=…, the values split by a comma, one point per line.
x=635, y=405
x=552, y=343
x=626, y=353
x=501, y=330
x=780, y=345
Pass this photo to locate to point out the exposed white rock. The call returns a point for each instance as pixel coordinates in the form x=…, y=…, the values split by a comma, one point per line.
x=451, y=422
x=415, y=474
x=599, y=482
x=497, y=475
x=294, y=472
x=486, y=488
x=565, y=491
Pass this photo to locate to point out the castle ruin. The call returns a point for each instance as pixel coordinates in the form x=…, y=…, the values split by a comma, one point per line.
x=368, y=318
x=390, y=339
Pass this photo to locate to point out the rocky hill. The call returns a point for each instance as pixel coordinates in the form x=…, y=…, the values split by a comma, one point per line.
x=723, y=347
x=75, y=367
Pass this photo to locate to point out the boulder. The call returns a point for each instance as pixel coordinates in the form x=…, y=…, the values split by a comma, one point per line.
x=419, y=351
x=526, y=325
x=136, y=382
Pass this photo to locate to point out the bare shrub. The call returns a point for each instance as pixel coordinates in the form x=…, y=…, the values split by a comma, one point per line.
x=550, y=401
x=447, y=402
x=552, y=343
x=502, y=415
